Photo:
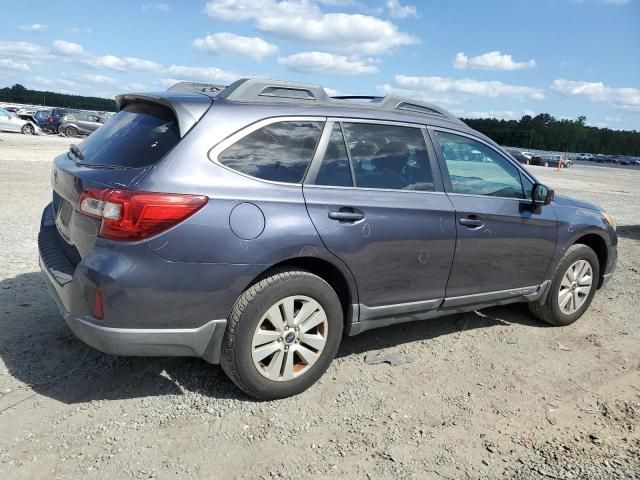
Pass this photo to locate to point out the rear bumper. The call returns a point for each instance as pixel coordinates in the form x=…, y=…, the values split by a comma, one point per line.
x=72, y=288
x=204, y=342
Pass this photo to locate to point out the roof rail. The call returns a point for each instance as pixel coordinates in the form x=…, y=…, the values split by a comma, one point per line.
x=197, y=87
x=252, y=90
x=263, y=90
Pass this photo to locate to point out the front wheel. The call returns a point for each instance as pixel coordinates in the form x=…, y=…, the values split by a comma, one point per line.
x=282, y=334
x=28, y=129
x=572, y=288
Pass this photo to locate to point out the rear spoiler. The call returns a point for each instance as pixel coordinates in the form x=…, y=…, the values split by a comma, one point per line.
x=187, y=107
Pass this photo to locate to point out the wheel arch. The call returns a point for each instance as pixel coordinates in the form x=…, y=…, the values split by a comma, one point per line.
x=340, y=279
x=599, y=245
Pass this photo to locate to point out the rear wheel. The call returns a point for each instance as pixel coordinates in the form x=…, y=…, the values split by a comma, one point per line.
x=572, y=289
x=28, y=129
x=282, y=334
x=546, y=164
x=71, y=132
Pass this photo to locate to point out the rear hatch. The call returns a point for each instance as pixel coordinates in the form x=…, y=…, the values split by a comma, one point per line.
x=117, y=155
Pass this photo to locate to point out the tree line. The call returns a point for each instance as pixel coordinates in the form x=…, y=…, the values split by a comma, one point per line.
x=542, y=132
x=20, y=94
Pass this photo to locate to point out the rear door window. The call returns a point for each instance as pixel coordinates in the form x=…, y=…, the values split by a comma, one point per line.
x=279, y=152
x=138, y=135
x=388, y=156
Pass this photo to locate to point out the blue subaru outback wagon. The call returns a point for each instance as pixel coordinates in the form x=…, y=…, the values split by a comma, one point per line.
x=254, y=225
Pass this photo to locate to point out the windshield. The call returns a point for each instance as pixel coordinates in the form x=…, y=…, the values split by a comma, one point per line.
x=137, y=136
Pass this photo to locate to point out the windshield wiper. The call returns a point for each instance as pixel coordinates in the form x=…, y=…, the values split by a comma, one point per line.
x=73, y=148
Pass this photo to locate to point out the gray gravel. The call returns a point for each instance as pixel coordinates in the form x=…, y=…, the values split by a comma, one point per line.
x=493, y=394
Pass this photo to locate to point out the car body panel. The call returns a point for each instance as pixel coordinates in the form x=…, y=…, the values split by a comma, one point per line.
x=408, y=259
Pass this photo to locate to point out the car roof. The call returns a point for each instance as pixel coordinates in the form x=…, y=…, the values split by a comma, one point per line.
x=267, y=98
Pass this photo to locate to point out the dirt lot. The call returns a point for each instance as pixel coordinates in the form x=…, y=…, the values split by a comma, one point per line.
x=491, y=394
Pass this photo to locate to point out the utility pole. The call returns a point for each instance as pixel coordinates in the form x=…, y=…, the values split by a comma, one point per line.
x=531, y=138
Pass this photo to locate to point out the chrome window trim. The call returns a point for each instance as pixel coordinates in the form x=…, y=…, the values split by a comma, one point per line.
x=221, y=146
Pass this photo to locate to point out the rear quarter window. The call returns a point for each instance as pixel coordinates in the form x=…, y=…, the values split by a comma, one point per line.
x=279, y=152
x=138, y=135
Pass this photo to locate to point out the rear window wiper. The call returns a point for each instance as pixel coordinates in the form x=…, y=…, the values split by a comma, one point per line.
x=73, y=148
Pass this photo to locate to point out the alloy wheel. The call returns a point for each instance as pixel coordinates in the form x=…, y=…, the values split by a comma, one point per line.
x=289, y=338
x=575, y=287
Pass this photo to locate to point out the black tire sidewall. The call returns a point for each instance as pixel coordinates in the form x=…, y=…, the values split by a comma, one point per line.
x=307, y=285
x=576, y=252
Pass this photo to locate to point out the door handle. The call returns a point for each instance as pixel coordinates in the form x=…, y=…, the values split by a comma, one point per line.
x=471, y=222
x=346, y=215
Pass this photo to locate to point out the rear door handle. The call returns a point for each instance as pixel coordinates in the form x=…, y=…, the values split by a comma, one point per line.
x=471, y=222
x=346, y=215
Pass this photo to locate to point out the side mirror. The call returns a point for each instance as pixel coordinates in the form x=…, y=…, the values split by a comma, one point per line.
x=541, y=194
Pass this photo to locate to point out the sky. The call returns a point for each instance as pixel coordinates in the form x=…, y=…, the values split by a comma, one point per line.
x=489, y=58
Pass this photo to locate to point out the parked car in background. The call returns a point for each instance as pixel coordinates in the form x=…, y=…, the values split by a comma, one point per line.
x=56, y=117
x=540, y=160
x=42, y=118
x=519, y=156
x=529, y=155
x=406, y=214
x=600, y=158
x=564, y=162
x=10, y=122
x=80, y=123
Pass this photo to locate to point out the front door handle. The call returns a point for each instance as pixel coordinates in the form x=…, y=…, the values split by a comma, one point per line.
x=471, y=222
x=346, y=215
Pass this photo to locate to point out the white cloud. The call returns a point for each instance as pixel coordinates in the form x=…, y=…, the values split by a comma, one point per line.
x=22, y=49
x=225, y=43
x=624, y=98
x=467, y=87
x=421, y=95
x=302, y=21
x=202, y=74
x=160, y=7
x=491, y=61
x=60, y=47
x=8, y=64
x=396, y=9
x=35, y=27
x=123, y=63
x=328, y=63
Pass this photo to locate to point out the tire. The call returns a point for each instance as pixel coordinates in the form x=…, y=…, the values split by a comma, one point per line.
x=71, y=132
x=551, y=310
x=28, y=129
x=546, y=164
x=527, y=162
x=250, y=314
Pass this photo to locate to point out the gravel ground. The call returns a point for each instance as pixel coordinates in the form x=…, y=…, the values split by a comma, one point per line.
x=491, y=394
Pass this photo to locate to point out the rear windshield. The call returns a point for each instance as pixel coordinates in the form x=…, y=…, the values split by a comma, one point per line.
x=138, y=135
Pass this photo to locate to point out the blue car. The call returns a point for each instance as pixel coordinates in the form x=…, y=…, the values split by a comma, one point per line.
x=256, y=225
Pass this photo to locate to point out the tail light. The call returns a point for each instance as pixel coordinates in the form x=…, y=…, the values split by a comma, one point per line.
x=130, y=215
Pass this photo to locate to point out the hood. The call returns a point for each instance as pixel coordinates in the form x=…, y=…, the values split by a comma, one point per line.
x=566, y=201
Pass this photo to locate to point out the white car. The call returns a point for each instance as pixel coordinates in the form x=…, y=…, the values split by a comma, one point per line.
x=11, y=123
x=529, y=155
